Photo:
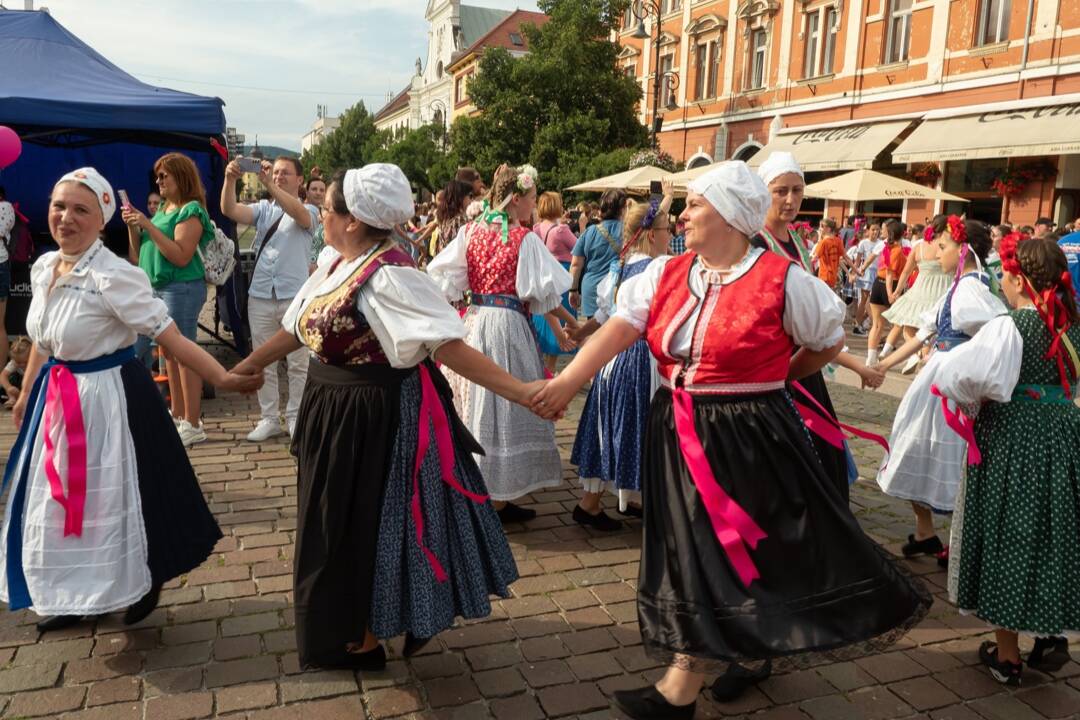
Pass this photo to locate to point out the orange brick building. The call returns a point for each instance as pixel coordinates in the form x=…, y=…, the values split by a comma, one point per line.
x=971, y=89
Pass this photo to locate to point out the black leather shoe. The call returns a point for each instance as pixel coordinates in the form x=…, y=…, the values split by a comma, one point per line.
x=1005, y=672
x=601, y=521
x=633, y=511
x=371, y=661
x=142, y=609
x=413, y=644
x=512, y=513
x=737, y=679
x=648, y=704
x=1049, y=654
x=58, y=622
x=930, y=546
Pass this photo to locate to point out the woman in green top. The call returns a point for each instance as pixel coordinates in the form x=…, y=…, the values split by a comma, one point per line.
x=165, y=248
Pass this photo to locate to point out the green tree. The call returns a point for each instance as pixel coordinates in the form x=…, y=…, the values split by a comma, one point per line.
x=351, y=145
x=418, y=153
x=558, y=106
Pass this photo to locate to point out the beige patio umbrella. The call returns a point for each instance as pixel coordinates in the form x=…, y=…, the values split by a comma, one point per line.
x=859, y=185
x=683, y=178
x=636, y=179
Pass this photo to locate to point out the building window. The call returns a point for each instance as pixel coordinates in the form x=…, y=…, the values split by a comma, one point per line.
x=667, y=92
x=820, y=48
x=516, y=39
x=896, y=44
x=758, y=43
x=630, y=71
x=993, y=21
x=716, y=49
x=461, y=92
x=707, y=57
x=628, y=17
x=670, y=6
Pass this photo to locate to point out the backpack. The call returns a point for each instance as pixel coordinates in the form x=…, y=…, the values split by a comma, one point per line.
x=218, y=257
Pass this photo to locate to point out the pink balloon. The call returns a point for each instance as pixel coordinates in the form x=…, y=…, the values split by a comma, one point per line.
x=10, y=146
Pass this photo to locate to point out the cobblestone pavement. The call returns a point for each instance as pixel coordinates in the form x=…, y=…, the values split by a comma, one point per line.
x=221, y=643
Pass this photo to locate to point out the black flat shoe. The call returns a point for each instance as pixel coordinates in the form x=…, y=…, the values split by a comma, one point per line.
x=373, y=660
x=633, y=511
x=413, y=644
x=600, y=521
x=142, y=609
x=737, y=679
x=943, y=558
x=1049, y=654
x=512, y=513
x=1005, y=672
x=930, y=546
x=58, y=622
x=648, y=704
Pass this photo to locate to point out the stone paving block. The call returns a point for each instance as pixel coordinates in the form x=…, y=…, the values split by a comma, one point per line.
x=49, y=702
x=179, y=656
x=211, y=610
x=593, y=576
x=891, y=667
x=233, y=648
x=924, y=693
x=54, y=652
x=180, y=707
x=968, y=683
x=490, y=657
x=236, y=672
x=459, y=690
x=846, y=676
x=280, y=641
x=783, y=713
x=396, y=673
x=29, y=677
x=955, y=712
x=342, y=708
x=589, y=641
x=527, y=606
x=634, y=659
x=313, y=685
x=1003, y=706
x=174, y=681
x=594, y=667
x=933, y=659
x=623, y=612
x=107, y=692
x=123, y=711
x=541, y=584
x=438, y=665
x=395, y=701
x=793, y=687
x=540, y=625
x=1052, y=701
x=222, y=591
x=114, y=643
x=567, y=699
x=545, y=673
x=499, y=683
x=246, y=697
x=878, y=702
x=485, y=634
x=588, y=618
x=18, y=635
x=191, y=632
x=99, y=668
x=250, y=624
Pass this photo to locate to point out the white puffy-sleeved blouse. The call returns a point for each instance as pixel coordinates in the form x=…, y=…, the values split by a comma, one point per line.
x=987, y=367
x=605, y=291
x=973, y=305
x=540, y=280
x=405, y=309
x=96, y=309
x=813, y=314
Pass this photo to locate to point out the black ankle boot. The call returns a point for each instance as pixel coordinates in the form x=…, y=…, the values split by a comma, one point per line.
x=737, y=679
x=142, y=609
x=930, y=546
x=1049, y=654
x=648, y=704
x=58, y=622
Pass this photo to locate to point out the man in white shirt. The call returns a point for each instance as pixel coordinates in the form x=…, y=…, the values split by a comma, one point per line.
x=284, y=228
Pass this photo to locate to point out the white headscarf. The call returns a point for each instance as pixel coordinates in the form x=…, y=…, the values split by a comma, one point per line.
x=93, y=180
x=737, y=193
x=777, y=164
x=379, y=194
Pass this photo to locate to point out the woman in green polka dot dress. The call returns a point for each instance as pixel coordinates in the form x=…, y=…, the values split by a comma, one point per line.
x=1019, y=569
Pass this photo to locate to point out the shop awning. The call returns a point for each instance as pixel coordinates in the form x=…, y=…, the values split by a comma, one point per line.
x=850, y=147
x=1045, y=130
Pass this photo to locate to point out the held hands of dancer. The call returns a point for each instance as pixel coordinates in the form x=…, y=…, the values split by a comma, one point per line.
x=550, y=403
x=902, y=353
x=476, y=367
x=869, y=377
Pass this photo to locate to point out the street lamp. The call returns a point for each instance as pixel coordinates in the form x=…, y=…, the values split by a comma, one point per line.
x=643, y=9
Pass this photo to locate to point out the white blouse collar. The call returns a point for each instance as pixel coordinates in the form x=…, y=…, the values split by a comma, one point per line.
x=84, y=263
x=737, y=270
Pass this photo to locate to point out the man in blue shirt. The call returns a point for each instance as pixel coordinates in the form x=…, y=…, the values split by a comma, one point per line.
x=1070, y=245
x=284, y=228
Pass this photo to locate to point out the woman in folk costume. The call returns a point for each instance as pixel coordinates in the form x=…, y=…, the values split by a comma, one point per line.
x=395, y=533
x=927, y=458
x=1019, y=561
x=607, y=447
x=510, y=274
x=104, y=506
x=732, y=483
x=782, y=175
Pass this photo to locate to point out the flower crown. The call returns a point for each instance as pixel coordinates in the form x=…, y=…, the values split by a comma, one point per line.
x=526, y=178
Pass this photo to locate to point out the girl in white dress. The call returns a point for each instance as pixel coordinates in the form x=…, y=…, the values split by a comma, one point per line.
x=104, y=506
x=928, y=458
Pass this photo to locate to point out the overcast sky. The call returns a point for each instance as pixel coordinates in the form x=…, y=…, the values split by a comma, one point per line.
x=271, y=61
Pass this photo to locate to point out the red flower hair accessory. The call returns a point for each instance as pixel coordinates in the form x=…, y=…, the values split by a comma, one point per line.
x=928, y=233
x=957, y=230
x=1007, y=252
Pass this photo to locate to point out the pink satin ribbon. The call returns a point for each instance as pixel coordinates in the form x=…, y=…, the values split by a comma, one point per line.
x=961, y=424
x=734, y=528
x=820, y=421
x=431, y=409
x=63, y=397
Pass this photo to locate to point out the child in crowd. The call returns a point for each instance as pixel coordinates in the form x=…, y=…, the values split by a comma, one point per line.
x=11, y=377
x=1019, y=565
x=927, y=460
x=829, y=254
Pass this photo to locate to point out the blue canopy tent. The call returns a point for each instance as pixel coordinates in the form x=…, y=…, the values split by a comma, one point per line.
x=71, y=107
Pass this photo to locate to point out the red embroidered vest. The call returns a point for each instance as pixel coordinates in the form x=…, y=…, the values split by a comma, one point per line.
x=492, y=265
x=739, y=344
x=332, y=325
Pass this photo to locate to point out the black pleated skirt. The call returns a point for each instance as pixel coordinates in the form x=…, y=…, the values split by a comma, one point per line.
x=833, y=459
x=826, y=591
x=180, y=529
